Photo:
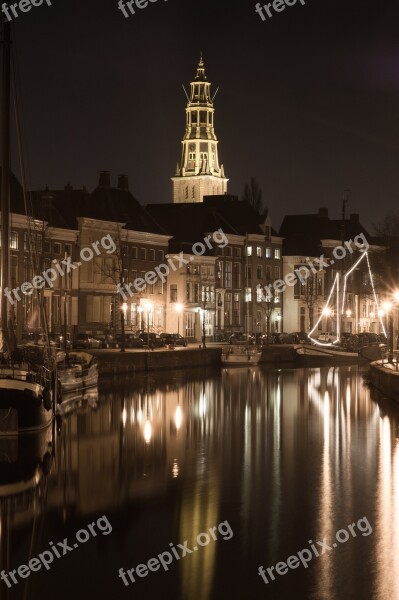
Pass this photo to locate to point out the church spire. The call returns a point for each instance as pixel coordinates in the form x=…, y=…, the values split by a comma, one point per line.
x=201, y=70
x=200, y=173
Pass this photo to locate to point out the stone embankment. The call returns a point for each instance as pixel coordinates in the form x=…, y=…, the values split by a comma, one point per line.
x=114, y=362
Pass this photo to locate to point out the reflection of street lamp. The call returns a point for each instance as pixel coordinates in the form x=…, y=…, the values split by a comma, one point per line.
x=147, y=431
x=178, y=309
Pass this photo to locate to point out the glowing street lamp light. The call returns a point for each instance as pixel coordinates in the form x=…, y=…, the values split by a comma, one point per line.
x=148, y=306
x=387, y=306
x=178, y=309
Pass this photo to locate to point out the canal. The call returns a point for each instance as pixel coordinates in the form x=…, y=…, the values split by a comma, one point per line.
x=249, y=466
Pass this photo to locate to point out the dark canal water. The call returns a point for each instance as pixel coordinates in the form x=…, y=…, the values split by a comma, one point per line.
x=274, y=460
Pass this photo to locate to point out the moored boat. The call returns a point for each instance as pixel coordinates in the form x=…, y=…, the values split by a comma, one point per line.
x=78, y=372
x=241, y=355
x=27, y=391
x=338, y=353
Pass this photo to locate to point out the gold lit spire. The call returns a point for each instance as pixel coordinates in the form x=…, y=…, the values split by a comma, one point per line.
x=201, y=70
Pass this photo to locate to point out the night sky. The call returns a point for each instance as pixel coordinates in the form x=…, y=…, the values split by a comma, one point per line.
x=308, y=100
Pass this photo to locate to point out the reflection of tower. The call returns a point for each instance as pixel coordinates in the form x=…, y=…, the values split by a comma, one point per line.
x=199, y=173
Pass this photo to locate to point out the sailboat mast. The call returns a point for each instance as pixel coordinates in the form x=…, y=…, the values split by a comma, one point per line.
x=5, y=172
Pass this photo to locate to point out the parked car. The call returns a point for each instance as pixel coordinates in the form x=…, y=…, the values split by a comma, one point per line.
x=155, y=340
x=56, y=340
x=107, y=341
x=350, y=341
x=241, y=338
x=283, y=338
x=131, y=340
x=174, y=339
x=85, y=341
x=301, y=337
x=327, y=336
x=366, y=338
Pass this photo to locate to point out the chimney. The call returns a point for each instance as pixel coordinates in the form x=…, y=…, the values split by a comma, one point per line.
x=123, y=182
x=105, y=179
x=323, y=213
x=354, y=218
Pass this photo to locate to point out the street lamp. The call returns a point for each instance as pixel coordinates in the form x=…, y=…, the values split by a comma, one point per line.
x=178, y=309
x=148, y=306
x=388, y=309
x=123, y=319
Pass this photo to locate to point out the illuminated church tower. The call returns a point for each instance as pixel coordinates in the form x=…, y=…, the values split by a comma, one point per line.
x=199, y=173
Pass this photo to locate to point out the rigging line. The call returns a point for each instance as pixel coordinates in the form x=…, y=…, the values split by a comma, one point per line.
x=29, y=213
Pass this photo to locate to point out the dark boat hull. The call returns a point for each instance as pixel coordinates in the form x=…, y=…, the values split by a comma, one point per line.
x=23, y=460
x=22, y=411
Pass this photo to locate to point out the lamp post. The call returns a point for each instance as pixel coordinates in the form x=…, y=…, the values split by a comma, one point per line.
x=178, y=309
x=148, y=307
x=123, y=319
x=327, y=312
x=388, y=307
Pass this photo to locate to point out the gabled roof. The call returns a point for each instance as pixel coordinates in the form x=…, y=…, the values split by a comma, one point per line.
x=61, y=208
x=190, y=222
x=303, y=234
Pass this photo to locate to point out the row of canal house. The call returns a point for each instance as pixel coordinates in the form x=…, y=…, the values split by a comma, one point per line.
x=218, y=284
x=221, y=282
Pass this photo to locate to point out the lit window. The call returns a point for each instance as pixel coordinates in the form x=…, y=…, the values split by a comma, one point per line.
x=14, y=240
x=248, y=294
x=249, y=250
x=277, y=253
x=259, y=251
x=268, y=253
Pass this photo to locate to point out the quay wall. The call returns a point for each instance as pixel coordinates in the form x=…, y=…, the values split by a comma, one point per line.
x=114, y=362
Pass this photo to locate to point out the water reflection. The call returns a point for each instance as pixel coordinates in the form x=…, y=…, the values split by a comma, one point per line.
x=285, y=456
